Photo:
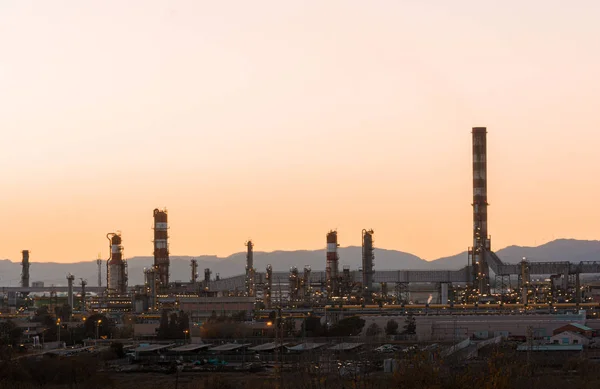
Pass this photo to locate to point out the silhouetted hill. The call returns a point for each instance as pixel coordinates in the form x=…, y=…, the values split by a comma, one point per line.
x=55, y=273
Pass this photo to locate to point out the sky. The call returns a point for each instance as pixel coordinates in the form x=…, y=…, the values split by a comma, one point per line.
x=280, y=120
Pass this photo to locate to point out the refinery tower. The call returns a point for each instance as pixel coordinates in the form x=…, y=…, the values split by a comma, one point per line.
x=161, y=247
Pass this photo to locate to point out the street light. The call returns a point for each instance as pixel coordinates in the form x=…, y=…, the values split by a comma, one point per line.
x=98, y=330
x=58, y=331
x=185, y=332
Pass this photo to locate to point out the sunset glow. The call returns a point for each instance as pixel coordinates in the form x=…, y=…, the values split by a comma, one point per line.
x=281, y=120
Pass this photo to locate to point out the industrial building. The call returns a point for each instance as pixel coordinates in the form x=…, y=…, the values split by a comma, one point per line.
x=485, y=285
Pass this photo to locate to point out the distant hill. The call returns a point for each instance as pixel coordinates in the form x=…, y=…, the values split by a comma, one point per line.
x=55, y=273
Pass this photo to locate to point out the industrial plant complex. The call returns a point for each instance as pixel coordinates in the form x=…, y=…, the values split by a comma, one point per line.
x=449, y=305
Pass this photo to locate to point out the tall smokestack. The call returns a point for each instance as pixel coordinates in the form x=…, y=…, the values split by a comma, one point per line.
x=70, y=300
x=83, y=284
x=161, y=247
x=116, y=273
x=480, y=204
x=250, y=269
x=332, y=267
x=368, y=258
x=99, y=264
x=25, y=270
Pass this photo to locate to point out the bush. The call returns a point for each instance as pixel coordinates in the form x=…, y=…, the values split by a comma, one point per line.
x=391, y=328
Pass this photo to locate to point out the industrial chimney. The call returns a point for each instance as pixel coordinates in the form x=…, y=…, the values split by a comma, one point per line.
x=25, y=270
x=332, y=266
x=250, y=269
x=161, y=248
x=480, y=204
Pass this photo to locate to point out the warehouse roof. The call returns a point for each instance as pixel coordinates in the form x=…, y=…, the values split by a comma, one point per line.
x=230, y=346
x=346, y=346
x=191, y=347
x=267, y=346
x=307, y=346
x=152, y=347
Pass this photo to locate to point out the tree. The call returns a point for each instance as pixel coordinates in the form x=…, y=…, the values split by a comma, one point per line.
x=312, y=327
x=117, y=349
x=350, y=326
x=173, y=326
x=391, y=328
x=99, y=324
x=288, y=327
x=42, y=315
x=173, y=332
x=373, y=330
x=410, y=325
x=63, y=312
x=163, y=328
x=239, y=316
x=11, y=334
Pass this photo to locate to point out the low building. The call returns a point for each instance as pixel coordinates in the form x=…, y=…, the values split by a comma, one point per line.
x=576, y=328
x=569, y=338
x=201, y=308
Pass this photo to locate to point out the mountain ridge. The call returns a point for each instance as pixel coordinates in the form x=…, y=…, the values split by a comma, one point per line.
x=53, y=273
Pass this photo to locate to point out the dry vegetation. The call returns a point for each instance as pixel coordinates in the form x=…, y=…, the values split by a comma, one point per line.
x=501, y=370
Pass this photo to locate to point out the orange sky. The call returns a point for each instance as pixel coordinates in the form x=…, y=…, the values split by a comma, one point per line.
x=280, y=120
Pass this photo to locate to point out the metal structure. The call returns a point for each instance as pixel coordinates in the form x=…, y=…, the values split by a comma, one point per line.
x=99, y=263
x=294, y=285
x=481, y=242
x=306, y=285
x=368, y=259
x=268, y=288
x=161, y=247
x=207, y=274
x=150, y=281
x=25, y=269
x=70, y=301
x=116, y=266
x=250, y=287
x=194, y=275
x=332, y=265
x=83, y=285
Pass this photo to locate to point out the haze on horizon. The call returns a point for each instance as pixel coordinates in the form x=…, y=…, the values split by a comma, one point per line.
x=278, y=121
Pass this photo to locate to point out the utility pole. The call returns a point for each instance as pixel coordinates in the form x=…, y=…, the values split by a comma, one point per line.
x=529, y=345
x=279, y=324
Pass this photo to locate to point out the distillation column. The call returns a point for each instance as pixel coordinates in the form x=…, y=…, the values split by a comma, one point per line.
x=250, y=292
x=268, y=286
x=306, y=288
x=332, y=266
x=70, y=300
x=25, y=270
x=194, y=275
x=480, y=204
x=150, y=281
x=116, y=272
x=161, y=248
x=99, y=264
x=207, y=274
x=368, y=257
x=294, y=285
